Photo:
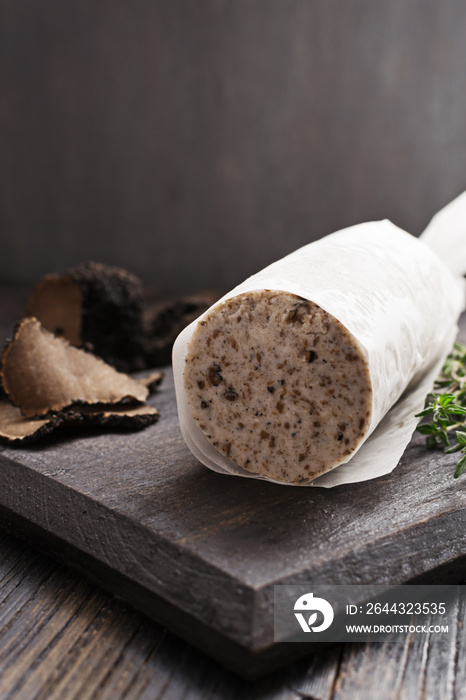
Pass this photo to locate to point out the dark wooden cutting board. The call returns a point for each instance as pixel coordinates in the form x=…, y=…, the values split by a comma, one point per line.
x=201, y=552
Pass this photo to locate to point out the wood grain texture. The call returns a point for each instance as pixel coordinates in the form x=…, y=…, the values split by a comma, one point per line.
x=156, y=134
x=201, y=552
x=61, y=637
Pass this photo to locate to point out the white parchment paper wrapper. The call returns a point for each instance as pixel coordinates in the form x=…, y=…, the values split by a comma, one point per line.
x=399, y=300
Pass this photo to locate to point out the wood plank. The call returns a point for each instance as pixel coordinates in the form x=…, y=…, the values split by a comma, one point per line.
x=103, y=650
x=411, y=667
x=97, y=647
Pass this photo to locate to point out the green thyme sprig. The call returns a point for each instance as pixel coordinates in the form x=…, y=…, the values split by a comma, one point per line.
x=446, y=408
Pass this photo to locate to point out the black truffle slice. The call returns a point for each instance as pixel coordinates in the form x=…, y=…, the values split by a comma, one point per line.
x=123, y=417
x=165, y=319
x=151, y=381
x=41, y=373
x=96, y=306
x=17, y=430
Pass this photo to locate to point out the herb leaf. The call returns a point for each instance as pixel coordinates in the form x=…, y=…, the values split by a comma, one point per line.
x=445, y=409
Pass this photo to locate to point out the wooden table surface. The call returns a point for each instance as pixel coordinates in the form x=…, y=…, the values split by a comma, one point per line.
x=63, y=637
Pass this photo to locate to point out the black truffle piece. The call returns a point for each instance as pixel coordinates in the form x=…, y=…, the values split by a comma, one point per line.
x=41, y=372
x=95, y=306
x=165, y=319
x=15, y=429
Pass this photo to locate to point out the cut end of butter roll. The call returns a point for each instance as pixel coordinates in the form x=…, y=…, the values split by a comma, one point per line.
x=278, y=385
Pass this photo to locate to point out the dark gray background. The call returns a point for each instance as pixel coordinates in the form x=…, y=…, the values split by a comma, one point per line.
x=195, y=141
